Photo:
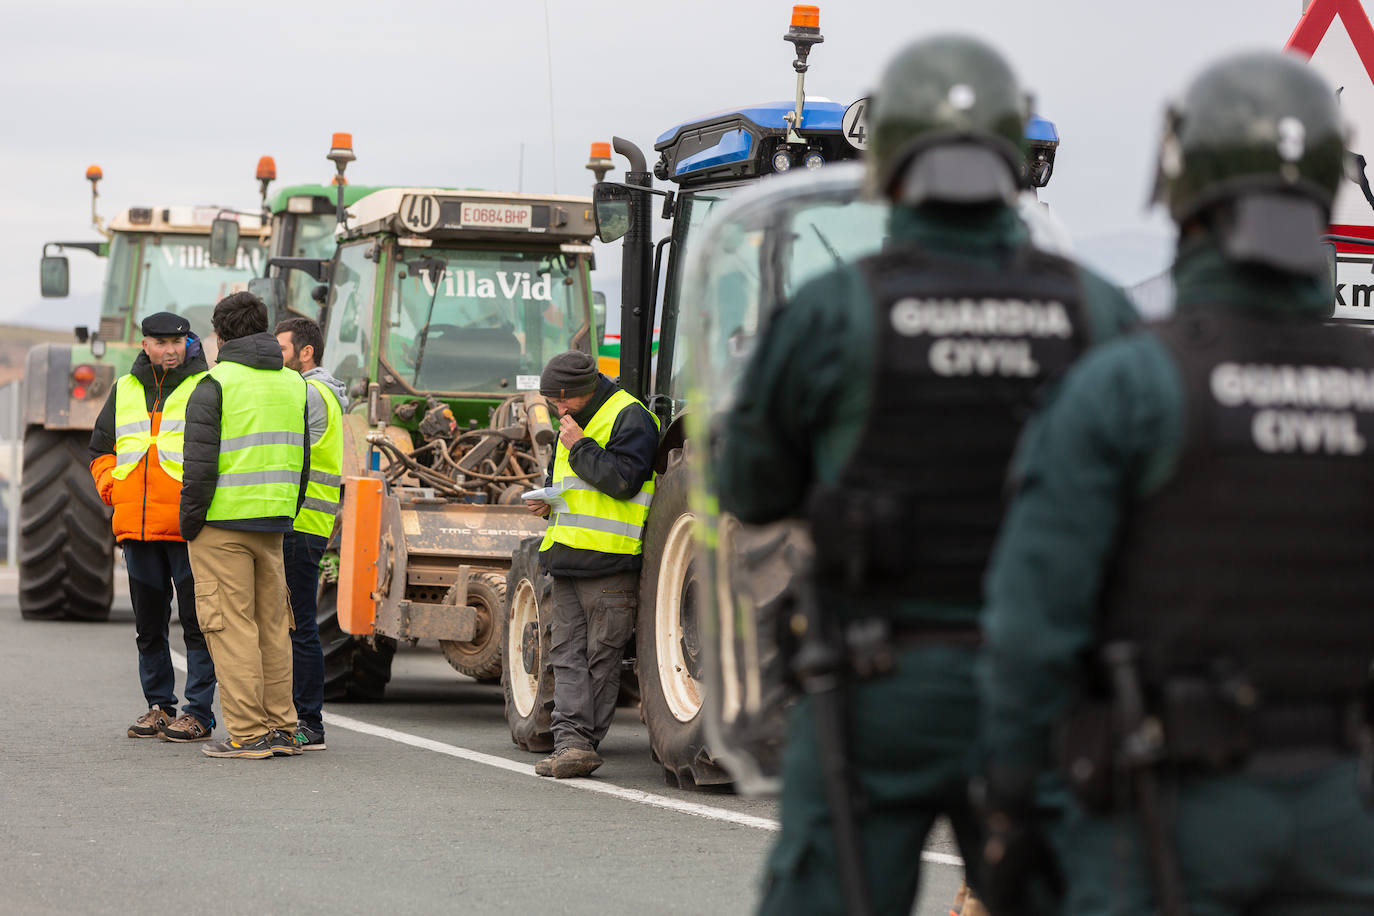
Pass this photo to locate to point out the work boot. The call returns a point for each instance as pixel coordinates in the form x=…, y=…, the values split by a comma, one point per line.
x=283, y=744
x=185, y=728
x=254, y=750
x=150, y=723
x=568, y=763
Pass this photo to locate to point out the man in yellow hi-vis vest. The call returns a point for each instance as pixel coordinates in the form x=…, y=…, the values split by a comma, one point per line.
x=246, y=470
x=597, y=499
x=135, y=458
x=302, y=348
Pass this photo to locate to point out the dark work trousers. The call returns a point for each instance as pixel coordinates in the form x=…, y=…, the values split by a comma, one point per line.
x=592, y=622
x=302, y=553
x=156, y=568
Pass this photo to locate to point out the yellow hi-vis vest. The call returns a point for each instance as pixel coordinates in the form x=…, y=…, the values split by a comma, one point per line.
x=584, y=517
x=326, y=470
x=262, y=442
x=134, y=426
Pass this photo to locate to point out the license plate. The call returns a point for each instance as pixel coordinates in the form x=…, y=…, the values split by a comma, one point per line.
x=498, y=216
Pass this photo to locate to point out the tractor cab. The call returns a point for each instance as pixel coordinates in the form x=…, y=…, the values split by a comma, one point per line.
x=159, y=261
x=302, y=226
x=459, y=294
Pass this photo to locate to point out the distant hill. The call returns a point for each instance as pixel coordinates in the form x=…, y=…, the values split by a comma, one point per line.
x=15, y=341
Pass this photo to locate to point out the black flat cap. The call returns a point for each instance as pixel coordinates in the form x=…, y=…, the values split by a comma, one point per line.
x=570, y=374
x=165, y=324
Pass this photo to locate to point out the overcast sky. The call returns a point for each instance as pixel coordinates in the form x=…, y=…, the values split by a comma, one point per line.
x=177, y=100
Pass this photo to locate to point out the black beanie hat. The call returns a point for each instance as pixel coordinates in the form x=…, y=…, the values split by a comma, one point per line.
x=570, y=374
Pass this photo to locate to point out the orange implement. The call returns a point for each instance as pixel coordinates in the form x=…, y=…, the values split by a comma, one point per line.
x=362, y=531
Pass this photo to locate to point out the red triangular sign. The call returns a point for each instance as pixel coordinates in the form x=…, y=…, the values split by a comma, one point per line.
x=1338, y=39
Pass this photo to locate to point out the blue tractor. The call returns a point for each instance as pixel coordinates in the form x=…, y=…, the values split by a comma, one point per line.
x=706, y=161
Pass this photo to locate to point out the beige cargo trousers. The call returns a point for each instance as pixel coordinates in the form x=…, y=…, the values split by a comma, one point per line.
x=245, y=613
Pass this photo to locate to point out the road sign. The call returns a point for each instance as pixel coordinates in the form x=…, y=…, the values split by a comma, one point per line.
x=1338, y=40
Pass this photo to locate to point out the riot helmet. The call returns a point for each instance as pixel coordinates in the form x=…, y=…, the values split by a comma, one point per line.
x=947, y=125
x=1256, y=151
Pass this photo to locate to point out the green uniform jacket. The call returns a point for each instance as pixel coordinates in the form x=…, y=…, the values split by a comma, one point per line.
x=806, y=392
x=1112, y=434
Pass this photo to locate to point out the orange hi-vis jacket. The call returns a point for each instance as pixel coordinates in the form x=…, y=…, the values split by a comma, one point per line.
x=147, y=501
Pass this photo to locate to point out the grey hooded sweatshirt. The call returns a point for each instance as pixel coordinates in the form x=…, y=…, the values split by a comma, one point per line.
x=316, y=412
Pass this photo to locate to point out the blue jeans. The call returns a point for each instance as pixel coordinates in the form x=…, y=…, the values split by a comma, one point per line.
x=156, y=569
x=302, y=553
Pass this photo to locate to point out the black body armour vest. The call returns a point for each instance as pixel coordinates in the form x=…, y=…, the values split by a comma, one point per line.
x=1257, y=557
x=961, y=355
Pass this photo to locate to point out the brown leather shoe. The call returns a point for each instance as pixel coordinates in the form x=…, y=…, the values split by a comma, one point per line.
x=185, y=727
x=569, y=763
x=150, y=724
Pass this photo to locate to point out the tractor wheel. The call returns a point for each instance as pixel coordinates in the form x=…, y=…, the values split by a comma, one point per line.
x=526, y=672
x=481, y=658
x=66, y=548
x=354, y=669
x=667, y=637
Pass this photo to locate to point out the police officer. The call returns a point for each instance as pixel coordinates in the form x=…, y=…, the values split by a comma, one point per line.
x=1182, y=585
x=600, y=485
x=136, y=449
x=884, y=402
x=247, y=467
x=302, y=348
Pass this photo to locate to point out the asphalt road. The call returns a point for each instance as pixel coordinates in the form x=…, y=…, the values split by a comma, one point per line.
x=421, y=804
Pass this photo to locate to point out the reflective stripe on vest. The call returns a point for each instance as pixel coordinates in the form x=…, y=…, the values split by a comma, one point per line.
x=133, y=426
x=326, y=470
x=262, y=442
x=584, y=517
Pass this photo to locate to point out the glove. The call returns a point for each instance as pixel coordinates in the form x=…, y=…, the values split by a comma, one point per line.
x=1018, y=866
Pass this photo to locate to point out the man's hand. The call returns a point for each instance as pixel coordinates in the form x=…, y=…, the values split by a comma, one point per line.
x=569, y=433
x=538, y=507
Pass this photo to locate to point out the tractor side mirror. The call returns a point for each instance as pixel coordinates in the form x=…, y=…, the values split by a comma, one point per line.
x=611, y=210
x=54, y=276
x=224, y=242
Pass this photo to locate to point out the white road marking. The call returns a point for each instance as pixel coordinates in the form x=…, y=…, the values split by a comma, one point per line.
x=589, y=785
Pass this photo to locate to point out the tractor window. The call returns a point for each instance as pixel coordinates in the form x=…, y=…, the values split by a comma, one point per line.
x=828, y=234
x=177, y=276
x=119, y=274
x=312, y=237
x=758, y=260
x=694, y=208
x=482, y=320
x=348, y=320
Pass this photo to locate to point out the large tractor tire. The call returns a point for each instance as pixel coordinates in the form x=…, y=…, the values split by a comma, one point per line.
x=481, y=658
x=526, y=672
x=66, y=548
x=667, y=637
x=354, y=668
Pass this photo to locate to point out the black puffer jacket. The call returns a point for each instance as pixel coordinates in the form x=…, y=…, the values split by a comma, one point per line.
x=256, y=351
x=619, y=470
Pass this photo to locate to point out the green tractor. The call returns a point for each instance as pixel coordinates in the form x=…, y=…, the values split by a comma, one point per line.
x=157, y=259
x=440, y=309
